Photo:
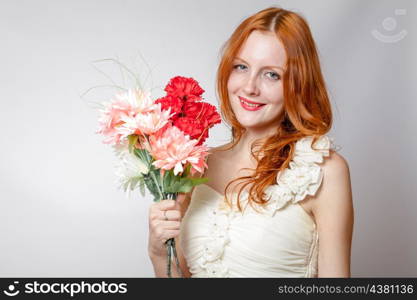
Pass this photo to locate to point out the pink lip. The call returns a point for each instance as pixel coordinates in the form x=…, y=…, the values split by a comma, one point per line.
x=246, y=100
x=246, y=107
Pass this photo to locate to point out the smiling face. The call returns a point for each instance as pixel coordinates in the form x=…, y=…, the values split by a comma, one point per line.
x=255, y=84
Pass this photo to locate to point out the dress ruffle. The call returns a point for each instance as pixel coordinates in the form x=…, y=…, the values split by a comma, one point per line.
x=303, y=177
x=211, y=260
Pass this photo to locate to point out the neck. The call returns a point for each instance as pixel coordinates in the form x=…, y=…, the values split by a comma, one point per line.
x=243, y=147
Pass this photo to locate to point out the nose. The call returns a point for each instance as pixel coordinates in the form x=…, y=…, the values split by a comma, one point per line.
x=251, y=86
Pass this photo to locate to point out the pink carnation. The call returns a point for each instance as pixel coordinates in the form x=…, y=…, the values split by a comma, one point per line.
x=111, y=118
x=126, y=105
x=145, y=123
x=173, y=149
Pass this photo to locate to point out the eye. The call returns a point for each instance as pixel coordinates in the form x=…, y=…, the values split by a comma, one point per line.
x=274, y=75
x=239, y=67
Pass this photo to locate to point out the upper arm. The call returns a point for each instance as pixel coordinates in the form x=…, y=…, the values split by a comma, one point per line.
x=333, y=212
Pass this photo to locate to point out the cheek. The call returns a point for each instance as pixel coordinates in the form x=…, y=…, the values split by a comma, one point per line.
x=275, y=95
x=233, y=83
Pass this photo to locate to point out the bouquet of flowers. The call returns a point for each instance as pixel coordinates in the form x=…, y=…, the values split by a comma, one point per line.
x=160, y=142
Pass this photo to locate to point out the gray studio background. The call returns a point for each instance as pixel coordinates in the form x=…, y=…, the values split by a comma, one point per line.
x=61, y=213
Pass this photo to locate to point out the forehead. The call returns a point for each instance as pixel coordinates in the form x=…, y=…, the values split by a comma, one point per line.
x=263, y=48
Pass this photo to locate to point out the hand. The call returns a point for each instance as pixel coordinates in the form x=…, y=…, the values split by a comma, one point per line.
x=164, y=223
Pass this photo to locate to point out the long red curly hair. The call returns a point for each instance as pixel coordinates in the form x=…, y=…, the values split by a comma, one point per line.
x=306, y=110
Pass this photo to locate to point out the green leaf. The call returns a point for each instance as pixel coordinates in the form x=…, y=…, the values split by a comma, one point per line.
x=187, y=170
x=152, y=188
x=185, y=186
x=141, y=153
x=166, y=183
x=197, y=181
x=178, y=184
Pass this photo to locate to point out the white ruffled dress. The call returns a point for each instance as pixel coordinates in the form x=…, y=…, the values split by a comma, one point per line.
x=276, y=240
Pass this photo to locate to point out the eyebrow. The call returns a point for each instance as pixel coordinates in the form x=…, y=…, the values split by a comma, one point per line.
x=278, y=67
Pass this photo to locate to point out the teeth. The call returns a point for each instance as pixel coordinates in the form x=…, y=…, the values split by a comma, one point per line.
x=250, y=104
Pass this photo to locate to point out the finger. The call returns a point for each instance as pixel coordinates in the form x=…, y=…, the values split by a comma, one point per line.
x=167, y=204
x=171, y=225
x=171, y=215
x=168, y=234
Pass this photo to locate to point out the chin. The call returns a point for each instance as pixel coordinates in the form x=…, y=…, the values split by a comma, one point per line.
x=259, y=126
x=251, y=125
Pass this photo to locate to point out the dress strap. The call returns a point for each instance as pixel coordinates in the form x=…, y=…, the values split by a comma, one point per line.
x=303, y=176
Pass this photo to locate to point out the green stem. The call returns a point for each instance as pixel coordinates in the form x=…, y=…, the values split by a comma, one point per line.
x=157, y=185
x=170, y=243
x=176, y=258
x=169, y=259
x=161, y=181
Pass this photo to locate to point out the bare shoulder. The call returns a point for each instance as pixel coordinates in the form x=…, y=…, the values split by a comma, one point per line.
x=217, y=155
x=335, y=163
x=220, y=149
x=336, y=185
x=334, y=216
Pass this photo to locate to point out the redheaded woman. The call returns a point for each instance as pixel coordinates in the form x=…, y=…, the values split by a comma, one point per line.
x=279, y=201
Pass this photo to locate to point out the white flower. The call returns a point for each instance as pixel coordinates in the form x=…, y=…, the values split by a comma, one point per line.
x=139, y=99
x=131, y=169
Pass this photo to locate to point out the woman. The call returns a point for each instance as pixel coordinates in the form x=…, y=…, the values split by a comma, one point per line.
x=278, y=202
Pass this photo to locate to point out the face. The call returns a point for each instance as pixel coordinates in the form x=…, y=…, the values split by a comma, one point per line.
x=255, y=84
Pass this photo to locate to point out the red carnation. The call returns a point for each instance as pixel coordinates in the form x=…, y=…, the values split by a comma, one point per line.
x=202, y=112
x=193, y=128
x=172, y=102
x=186, y=89
x=191, y=117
